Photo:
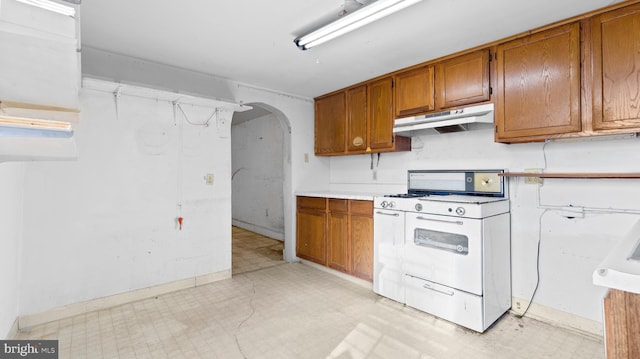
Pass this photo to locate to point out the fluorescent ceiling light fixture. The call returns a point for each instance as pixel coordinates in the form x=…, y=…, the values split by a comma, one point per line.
x=52, y=6
x=12, y=126
x=350, y=22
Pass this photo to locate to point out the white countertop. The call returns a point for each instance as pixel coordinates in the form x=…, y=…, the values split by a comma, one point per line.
x=364, y=196
x=617, y=270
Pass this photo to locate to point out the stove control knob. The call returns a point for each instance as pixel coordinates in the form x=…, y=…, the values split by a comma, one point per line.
x=418, y=207
x=384, y=204
x=460, y=211
x=392, y=204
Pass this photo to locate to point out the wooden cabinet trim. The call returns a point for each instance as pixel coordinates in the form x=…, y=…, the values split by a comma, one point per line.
x=319, y=203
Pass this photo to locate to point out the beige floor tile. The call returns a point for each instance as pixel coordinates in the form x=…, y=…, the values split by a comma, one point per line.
x=277, y=310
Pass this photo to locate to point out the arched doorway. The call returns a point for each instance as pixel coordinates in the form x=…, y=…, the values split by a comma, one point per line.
x=261, y=164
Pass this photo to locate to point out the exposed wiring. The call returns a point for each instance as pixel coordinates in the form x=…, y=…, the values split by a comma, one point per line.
x=205, y=123
x=535, y=289
x=544, y=154
x=179, y=218
x=567, y=208
x=116, y=98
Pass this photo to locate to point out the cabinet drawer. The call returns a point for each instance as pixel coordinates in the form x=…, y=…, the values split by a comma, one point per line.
x=312, y=203
x=444, y=302
x=364, y=208
x=338, y=205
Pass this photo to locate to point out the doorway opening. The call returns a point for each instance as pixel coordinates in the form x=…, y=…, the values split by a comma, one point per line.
x=258, y=158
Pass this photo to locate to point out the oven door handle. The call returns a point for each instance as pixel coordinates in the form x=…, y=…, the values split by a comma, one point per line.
x=388, y=214
x=445, y=292
x=440, y=220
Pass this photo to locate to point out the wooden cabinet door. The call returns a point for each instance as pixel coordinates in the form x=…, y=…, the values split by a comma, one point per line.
x=362, y=239
x=616, y=69
x=381, y=114
x=357, y=116
x=311, y=229
x=338, y=236
x=413, y=91
x=311, y=235
x=538, y=80
x=330, y=124
x=463, y=80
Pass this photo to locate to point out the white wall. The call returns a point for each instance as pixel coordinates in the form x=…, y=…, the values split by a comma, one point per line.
x=294, y=112
x=258, y=174
x=11, y=190
x=106, y=224
x=570, y=248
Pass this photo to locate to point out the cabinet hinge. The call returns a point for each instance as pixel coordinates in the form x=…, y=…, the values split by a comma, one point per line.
x=495, y=56
x=496, y=129
x=393, y=138
x=490, y=57
x=393, y=83
x=490, y=90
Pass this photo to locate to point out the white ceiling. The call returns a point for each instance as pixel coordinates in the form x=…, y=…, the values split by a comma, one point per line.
x=251, y=41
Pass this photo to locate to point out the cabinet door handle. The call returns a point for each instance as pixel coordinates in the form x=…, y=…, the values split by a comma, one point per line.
x=445, y=292
x=389, y=214
x=440, y=220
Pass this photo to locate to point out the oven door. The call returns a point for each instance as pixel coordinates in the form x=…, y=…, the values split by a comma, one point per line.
x=388, y=243
x=445, y=250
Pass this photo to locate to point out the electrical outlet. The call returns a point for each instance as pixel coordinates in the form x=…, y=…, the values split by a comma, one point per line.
x=533, y=180
x=208, y=179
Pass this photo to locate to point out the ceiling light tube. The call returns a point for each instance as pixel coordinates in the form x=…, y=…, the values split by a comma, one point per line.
x=365, y=15
x=51, y=6
x=12, y=126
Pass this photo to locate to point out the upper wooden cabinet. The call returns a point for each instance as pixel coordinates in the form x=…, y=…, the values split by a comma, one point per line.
x=357, y=108
x=330, y=124
x=463, y=80
x=414, y=91
x=616, y=69
x=381, y=114
x=538, y=85
x=358, y=120
x=454, y=82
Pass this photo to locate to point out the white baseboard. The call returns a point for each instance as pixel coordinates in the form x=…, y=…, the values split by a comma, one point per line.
x=71, y=310
x=350, y=278
x=557, y=317
x=258, y=229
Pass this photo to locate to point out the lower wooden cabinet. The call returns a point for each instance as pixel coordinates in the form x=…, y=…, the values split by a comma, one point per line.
x=311, y=224
x=337, y=233
x=362, y=239
x=622, y=324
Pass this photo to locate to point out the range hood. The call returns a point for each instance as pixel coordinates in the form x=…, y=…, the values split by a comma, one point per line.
x=447, y=121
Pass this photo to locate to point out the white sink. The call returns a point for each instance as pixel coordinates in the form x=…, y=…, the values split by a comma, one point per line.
x=621, y=268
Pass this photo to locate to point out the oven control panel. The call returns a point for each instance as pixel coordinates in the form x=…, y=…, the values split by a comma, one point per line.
x=464, y=182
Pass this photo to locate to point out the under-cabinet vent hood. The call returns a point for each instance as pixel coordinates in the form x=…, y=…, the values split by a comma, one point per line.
x=444, y=122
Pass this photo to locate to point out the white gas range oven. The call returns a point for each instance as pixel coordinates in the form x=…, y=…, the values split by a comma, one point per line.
x=444, y=246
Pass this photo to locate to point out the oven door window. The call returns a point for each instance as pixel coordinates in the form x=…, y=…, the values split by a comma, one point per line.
x=449, y=242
